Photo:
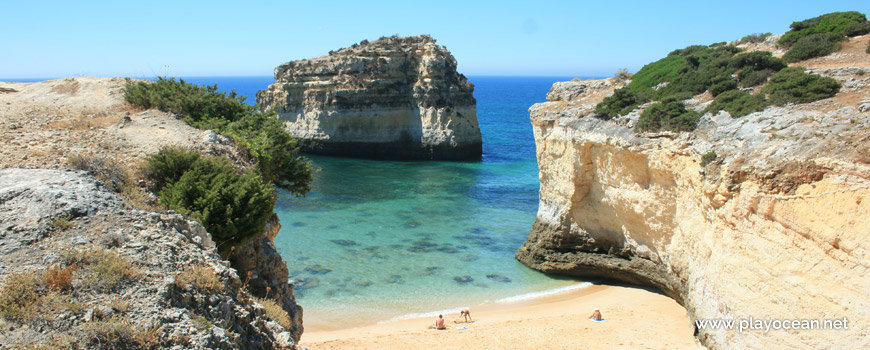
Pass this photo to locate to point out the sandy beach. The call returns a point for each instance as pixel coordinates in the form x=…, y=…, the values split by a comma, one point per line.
x=636, y=318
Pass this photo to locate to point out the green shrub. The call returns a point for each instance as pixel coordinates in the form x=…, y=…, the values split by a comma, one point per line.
x=621, y=102
x=200, y=106
x=232, y=207
x=722, y=86
x=813, y=45
x=261, y=135
x=755, y=38
x=670, y=115
x=757, y=60
x=835, y=22
x=857, y=29
x=793, y=85
x=737, y=103
x=708, y=158
x=168, y=165
x=263, y=138
x=750, y=77
x=868, y=48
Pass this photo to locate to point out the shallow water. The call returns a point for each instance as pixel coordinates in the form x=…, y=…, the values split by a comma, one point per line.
x=376, y=240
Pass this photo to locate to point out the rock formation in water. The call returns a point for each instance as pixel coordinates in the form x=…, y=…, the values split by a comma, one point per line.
x=396, y=97
x=771, y=224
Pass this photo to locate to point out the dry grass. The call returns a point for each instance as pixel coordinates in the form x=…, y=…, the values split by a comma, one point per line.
x=69, y=87
x=21, y=297
x=275, y=312
x=102, y=268
x=86, y=121
x=119, y=333
x=59, y=279
x=61, y=223
x=112, y=173
x=202, y=323
x=200, y=278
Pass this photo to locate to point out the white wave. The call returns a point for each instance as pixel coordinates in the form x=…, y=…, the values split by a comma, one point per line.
x=424, y=314
x=544, y=293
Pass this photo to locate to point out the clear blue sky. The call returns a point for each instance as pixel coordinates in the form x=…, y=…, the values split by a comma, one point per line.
x=221, y=38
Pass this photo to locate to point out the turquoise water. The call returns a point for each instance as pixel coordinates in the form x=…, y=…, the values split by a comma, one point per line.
x=381, y=239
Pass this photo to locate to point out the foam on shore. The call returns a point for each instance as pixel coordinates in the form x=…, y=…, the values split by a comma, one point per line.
x=544, y=293
x=424, y=314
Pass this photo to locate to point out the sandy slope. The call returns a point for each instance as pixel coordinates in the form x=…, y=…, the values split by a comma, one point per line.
x=636, y=319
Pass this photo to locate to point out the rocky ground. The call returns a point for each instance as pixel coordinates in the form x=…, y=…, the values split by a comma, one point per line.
x=81, y=267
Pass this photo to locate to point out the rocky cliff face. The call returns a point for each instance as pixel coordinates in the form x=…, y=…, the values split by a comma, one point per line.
x=125, y=284
x=390, y=98
x=43, y=124
x=772, y=226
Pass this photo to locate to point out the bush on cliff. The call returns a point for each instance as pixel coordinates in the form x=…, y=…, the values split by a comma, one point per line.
x=621, y=102
x=755, y=67
x=857, y=29
x=793, y=85
x=813, y=45
x=681, y=75
x=261, y=136
x=835, y=22
x=755, y=38
x=737, y=103
x=200, y=106
x=670, y=115
x=233, y=207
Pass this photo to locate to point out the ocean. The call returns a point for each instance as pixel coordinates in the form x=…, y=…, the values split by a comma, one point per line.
x=386, y=240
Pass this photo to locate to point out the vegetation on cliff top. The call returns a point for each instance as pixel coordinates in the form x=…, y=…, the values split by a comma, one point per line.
x=260, y=135
x=232, y=207
x=722, y=70
x=820, y=36
x=835, y=22
x=232, y=204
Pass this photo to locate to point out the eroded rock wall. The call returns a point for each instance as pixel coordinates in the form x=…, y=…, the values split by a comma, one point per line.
x=775, y=227
x=390, y=98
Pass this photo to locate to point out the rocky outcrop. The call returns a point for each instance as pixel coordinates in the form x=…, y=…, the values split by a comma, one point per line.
x=267, y=273
x=396, y=97
x=764, y=216
x=149, y=307
x=42, y=124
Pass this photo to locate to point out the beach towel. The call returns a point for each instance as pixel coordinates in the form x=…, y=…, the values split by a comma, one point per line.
x=597, y=320
x=461, y=328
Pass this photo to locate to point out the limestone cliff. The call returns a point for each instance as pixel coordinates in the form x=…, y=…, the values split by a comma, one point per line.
x=773, y=225
x=396, y=97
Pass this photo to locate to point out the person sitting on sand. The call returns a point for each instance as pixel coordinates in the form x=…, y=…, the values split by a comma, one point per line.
x=439, y=323
x=596, y=315
x=464, y=317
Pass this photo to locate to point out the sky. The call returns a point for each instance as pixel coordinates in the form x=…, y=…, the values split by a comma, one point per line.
x=139, y=39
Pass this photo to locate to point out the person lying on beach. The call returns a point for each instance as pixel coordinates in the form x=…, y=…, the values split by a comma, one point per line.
x=596, y=315
x=439, y=323
x=464, y=317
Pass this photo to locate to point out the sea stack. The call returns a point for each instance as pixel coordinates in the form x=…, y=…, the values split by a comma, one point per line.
x=392, y=98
